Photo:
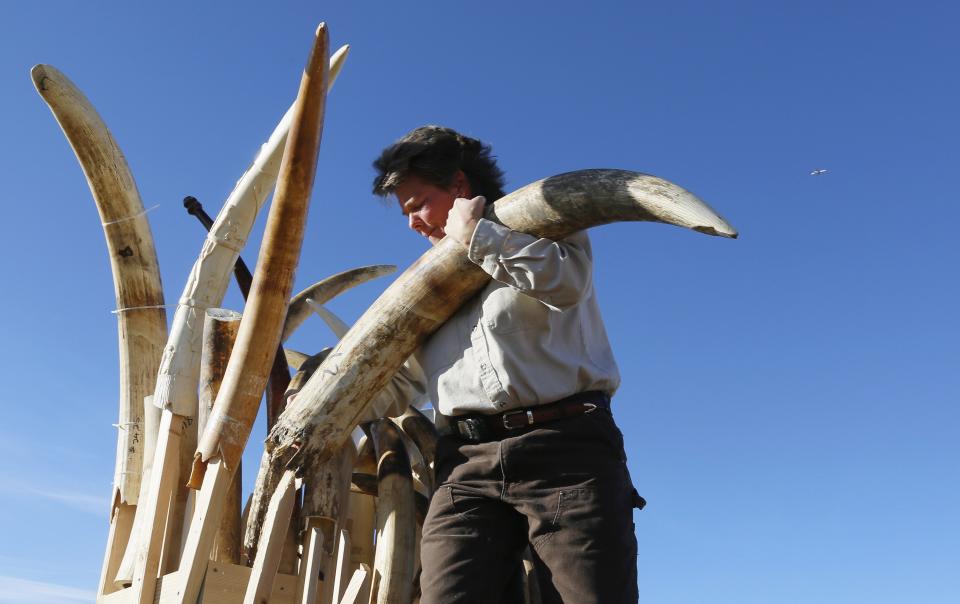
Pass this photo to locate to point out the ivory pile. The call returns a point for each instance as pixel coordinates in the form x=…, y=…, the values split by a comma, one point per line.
x=331, y=519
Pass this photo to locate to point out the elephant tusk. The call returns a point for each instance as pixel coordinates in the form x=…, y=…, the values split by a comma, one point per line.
x=141, y=316
x=237, y=402
x=326, y=290
x=422, y=298
x=335, y=323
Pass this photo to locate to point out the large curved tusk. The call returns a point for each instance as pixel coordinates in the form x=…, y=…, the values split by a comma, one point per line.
x=326, y=290
x=429, y=292
x=141, y=316
x=588, y=198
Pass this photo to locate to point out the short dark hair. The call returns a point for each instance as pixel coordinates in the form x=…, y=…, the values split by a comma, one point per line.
x=435, y=153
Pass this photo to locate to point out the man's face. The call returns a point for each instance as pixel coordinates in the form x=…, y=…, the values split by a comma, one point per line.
x=426, y=205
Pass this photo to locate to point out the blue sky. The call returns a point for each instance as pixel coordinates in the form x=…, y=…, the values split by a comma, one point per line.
x=789, y=399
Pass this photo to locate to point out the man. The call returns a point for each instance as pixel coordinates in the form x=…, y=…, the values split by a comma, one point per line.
x=521, y=377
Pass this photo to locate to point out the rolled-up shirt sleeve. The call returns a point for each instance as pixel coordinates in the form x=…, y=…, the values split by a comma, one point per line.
x=557, y=273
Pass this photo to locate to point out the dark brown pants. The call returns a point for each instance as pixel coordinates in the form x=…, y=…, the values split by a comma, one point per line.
x=563, y=488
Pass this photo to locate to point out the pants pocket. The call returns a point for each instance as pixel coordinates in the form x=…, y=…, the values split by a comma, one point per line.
x=463, y=503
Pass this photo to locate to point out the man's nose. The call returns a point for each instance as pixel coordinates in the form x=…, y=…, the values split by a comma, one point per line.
x=414, y=221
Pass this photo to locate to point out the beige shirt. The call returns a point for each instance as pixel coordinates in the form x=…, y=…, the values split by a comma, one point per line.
x=533, y=335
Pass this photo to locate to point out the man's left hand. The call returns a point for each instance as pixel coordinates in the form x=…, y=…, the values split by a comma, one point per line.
x=463, y=218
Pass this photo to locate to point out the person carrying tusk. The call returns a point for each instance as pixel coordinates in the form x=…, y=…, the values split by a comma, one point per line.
x=521, y=378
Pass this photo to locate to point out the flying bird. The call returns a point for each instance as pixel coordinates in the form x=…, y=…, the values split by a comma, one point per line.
x=818, y=172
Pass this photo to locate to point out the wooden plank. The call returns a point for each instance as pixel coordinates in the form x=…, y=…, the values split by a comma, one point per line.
x=226, y=582
x=276, y=525
x=358, y=587
x=125, y=596
x=361, y=523
x=123, y=577
x=121, y=523
x=203, y=528
x=163, y=479
x=308, y=589
x=181, y=502
x=341, y=572
x=223, y=584
x=117, y=597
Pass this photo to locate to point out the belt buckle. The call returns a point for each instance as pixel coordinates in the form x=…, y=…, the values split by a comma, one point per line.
x=506, y=419
x=472, y=429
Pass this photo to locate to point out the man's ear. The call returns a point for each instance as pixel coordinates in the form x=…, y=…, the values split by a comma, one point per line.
x=461, y=185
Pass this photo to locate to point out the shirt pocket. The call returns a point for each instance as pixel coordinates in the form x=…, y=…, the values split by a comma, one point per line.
x=506, y=310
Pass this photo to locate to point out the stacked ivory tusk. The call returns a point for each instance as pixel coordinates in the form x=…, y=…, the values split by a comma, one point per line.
x=331, y=519
x=141, y=316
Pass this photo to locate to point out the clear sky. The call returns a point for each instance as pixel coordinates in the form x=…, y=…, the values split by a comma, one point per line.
x=789, y=399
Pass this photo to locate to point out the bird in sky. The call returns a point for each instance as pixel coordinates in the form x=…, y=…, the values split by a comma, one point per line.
x=818, y=172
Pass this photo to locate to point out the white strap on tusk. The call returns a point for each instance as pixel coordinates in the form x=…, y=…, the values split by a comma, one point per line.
x=129, y=308
x=125, y=218
x=227, y=242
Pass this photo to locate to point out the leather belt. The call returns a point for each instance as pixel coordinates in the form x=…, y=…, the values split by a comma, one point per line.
x=482, y=428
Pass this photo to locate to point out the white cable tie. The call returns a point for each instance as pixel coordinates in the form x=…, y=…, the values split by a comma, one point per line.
x=125, y=218
x=124, y=425
x=129, y=308
x=192, y=303
x=226, y=242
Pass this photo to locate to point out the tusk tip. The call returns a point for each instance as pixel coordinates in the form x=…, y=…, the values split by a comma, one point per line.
x=322, y=28
x=340, y=55
x=707, y=230
x=38, y=73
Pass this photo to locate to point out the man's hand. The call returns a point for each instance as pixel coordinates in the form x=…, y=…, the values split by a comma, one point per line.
x=463, y=218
